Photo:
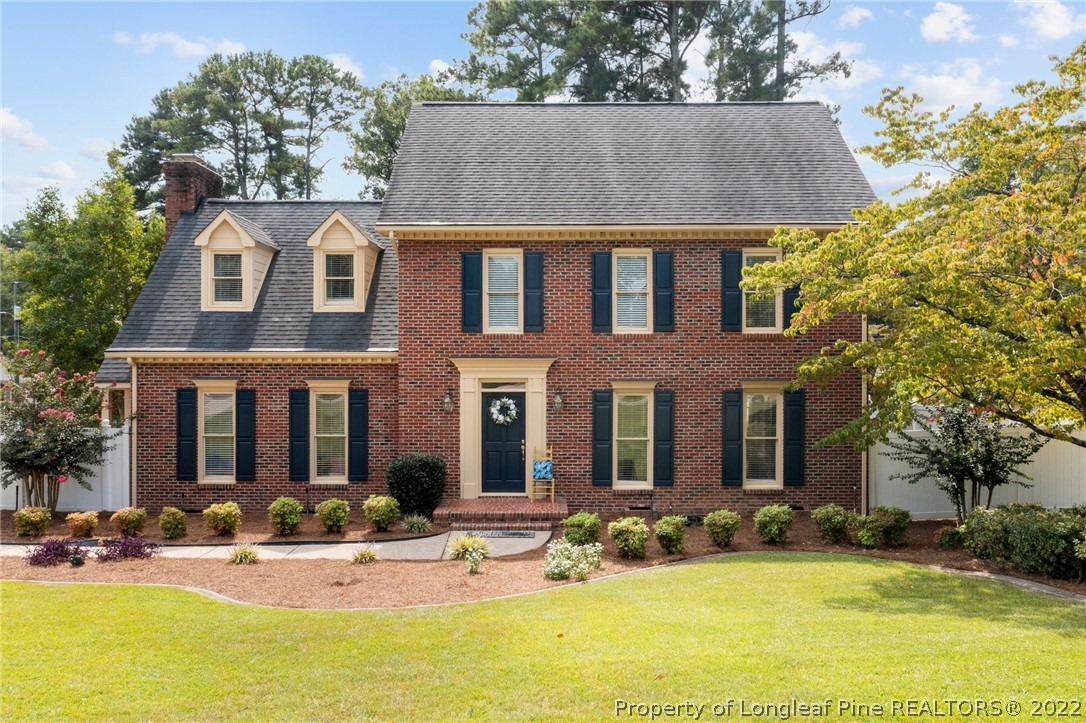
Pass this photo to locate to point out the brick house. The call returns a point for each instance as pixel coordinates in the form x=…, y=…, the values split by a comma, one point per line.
x=576, y=263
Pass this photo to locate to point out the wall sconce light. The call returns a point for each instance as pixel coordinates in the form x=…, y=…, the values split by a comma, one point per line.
x=558, y=404
x=447, y=404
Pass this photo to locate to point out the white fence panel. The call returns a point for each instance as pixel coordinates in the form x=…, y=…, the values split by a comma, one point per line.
x=110, y=484
x=1058, y=472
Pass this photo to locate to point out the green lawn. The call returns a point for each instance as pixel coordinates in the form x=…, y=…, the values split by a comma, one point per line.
x=758, y=628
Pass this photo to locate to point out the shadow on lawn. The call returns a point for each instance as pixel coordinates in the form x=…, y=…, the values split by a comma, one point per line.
x=929, y=592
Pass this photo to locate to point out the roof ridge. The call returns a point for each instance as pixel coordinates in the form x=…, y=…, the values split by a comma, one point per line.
x=632, y=104
x=294, y=200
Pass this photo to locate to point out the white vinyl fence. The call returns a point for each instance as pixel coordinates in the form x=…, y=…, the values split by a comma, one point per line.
x=110, y=486
x=1058, y=471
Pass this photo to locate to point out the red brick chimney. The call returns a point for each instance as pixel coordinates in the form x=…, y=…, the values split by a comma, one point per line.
x=188, y=181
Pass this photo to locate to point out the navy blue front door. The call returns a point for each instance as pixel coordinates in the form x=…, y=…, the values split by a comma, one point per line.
x=503, y=447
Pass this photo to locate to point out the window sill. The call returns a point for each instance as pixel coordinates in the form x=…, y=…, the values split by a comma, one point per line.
x=216, y=484
x=630, y=490
x=763, y=490
x=329, y=483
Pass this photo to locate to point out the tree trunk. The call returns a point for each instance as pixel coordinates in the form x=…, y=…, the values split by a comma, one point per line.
x=781, y=48
x=676, y=65
x=42, y=490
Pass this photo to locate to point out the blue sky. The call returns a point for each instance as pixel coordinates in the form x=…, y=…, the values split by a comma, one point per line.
x=74, y=74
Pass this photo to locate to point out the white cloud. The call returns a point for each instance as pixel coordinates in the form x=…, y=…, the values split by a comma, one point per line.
x=15, y=129
x=343, y=62
x=438, y=66
x=57, y=170
x=181, y=47
x=960, y=84
x=853, y=16
x=1008, y=41
x=948, y=22
x=1050, y=19
x=96, y=148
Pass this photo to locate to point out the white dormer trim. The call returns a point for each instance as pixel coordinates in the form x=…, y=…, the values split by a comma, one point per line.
x=329, y=239
x=226, y=235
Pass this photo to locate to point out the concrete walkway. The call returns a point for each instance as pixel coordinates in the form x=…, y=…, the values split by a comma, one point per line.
x=436, y=547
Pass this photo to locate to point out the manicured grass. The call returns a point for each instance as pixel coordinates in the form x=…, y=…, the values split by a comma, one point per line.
x=762, y=628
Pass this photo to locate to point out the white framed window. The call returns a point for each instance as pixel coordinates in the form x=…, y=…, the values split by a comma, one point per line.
x=503, y=291
x=227, y=278
x=328, y=430
x=632, y=284
x=217, y=420
x=761, y=316
x=344, y=259
x=233, y=262
x=633, y=424
x=763, y=421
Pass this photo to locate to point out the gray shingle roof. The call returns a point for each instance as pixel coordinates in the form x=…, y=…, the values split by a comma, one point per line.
x=255, y=231
x=167, y=313
x=114, y=370
x=623, y=163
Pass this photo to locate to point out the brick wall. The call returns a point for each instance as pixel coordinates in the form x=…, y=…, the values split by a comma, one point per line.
x=156, y=468
x=697, y=362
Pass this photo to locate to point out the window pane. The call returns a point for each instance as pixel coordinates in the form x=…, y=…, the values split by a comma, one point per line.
x=761, y=459
x=502, y=273
x=331, y=457
x=503, y=311
x=761, y=314
x=329, y=412
x=339, y=265
x=761, y=415
x=227, y=289
x=339, y=289
x=633, y=273
x=633, y=417
x=219, y=413
x=754, y=260
x=633, y=465
x=632, y=310
x=228, y=265
x=219, y=456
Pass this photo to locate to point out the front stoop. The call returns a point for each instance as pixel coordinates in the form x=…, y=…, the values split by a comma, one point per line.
x=501, y=513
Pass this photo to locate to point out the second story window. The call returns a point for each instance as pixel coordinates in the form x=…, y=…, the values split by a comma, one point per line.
x=344, y=260
x=502, y=286
x=339, y=279
x=632, y=289
x=761, y=315
x=227, y=278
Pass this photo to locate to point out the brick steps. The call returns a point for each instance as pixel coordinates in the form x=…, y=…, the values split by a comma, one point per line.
x=501, y=513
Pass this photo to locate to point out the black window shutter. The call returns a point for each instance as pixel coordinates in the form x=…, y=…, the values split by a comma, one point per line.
x=601, y=292
x=794, y=437
x=663, y=431
x=245, y=435
x=533, y=291
x=663, y=291
x=732, y=468
x=602, y=439
x=731, y=296
x=298, y=432
x=791, y=299
x=186, y=435
x=471, y=292
x=358, y=435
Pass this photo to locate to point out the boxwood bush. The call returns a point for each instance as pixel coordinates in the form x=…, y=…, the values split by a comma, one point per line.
x=82, y=524
x=982, y=534
x=832, y=522
x=773, y=522
x=630, y=535
x=582, y=528
x=721, y=526
x=285, y=515
x=173, y=523
x=1044, y=542
x=223, y=518
x=382, y=511
x=670, y=532
x=32, y=521
x=129, y=521
x=417, y=481
x=334, y=514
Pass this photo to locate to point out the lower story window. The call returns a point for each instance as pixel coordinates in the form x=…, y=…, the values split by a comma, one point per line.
x=762, y=438
x=330, y=435
x=217, y=438
x=633, y=435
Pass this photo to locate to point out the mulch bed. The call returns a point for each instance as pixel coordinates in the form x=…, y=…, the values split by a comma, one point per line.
x=394, y=583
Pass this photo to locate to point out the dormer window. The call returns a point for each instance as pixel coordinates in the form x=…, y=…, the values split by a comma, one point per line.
x=344, y=258
x=234, y=258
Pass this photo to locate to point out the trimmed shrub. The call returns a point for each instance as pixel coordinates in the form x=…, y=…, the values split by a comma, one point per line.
x=382, y=511
x=983, y=535
x=1044, y=542
x=125, y=548
x=465, y=544
x=670, y=532
x=949, y=538
x=582, y=528
x=1080, y=549
x=895, y=524
x=173, y=523
x=285, y=515
x=630, y=535
x=51, y=552
x=832, y=522
x=772, y=523
x=474, y=558
x=82, y=524
x=223, y=518
x=333, y=514
x=364, y=555
x=245, y=553
x=417, y=481
x=721, y=526
x=416, y=524
x=566, y=560
x=1078, y=510
x=129, y=521
x=867, y=531
x=32, y=521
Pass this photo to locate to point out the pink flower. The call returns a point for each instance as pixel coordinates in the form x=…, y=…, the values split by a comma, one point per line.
x=61, y=479
x=28, y=430
x=41, y=354
x=22, y=352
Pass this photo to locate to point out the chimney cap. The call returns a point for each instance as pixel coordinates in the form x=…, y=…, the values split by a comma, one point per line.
x=188, y=158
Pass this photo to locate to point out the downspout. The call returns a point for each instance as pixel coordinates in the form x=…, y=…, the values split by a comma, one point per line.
x=132, y=437
x=864, y=472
